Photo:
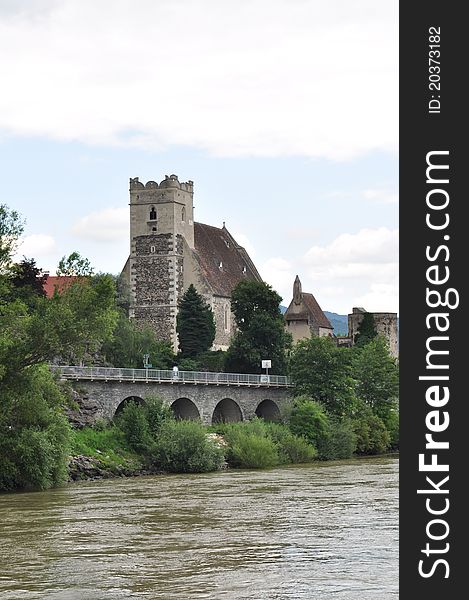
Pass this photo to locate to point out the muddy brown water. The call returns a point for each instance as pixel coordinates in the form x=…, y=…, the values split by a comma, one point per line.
x=320, y=531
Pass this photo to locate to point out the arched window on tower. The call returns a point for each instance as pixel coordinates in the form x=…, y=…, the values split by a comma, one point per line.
x=152, y=214
x=183, y=213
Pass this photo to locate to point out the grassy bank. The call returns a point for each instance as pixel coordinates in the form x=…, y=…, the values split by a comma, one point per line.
x=102, y=452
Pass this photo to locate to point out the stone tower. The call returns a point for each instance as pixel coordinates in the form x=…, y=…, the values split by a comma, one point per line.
x=161, y=224
x=169, y=252
x=385, y=324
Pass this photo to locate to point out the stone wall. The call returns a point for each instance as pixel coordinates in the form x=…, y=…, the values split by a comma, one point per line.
x=299, y=329
x=224, y=322
x=385, y=323
x=157, y=269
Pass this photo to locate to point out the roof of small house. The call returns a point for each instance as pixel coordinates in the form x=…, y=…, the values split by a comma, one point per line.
x=306, y=308
x=316, y=311
x=223, y=262
x=57, y=282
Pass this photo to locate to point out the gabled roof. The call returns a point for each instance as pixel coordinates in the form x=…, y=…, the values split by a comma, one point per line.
x=315, y=311
x=223, y=262
x=304, y=307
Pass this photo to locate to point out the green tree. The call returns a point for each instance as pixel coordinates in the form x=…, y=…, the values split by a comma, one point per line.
x=377, y=376
x=11, y=228
x=27, y=280
x=129, y=343
x=372, y=434
x=34, y=433
x=340, y=442
x=75, y=323
x=134, y=423
x=323, y=371
x=74, y=265
x=392, y=425
x=212, y=360
x=366, y=330
x=70, y=325
x=195, y=324
x=183, y=447
x=251, y=298
x=308, y=419
x=260, y=332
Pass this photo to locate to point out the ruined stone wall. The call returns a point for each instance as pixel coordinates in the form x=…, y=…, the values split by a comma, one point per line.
x=385, y=323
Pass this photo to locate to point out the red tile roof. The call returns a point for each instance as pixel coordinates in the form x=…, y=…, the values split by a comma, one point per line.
x=307, y=310
x=223, y=262
x=316, y=311
x=57, y=282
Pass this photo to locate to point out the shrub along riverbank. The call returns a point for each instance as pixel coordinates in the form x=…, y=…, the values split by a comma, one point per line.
x=147, y=439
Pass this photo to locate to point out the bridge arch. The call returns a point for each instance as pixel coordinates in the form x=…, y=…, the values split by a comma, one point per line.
x=184, y=408
x=268, y=410
x=227, y=411
x=126, y=401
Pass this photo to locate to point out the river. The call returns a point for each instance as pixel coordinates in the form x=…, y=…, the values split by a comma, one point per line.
x=327, y=530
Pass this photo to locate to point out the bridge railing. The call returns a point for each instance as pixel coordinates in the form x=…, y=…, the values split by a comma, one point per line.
x=162, y=376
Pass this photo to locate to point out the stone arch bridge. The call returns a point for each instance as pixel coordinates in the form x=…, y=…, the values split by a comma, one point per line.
x=210, y=397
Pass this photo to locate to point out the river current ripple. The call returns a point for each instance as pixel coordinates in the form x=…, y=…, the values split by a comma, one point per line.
x=320, y=531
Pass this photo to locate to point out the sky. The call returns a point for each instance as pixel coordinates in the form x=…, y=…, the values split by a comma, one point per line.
x=284, y=113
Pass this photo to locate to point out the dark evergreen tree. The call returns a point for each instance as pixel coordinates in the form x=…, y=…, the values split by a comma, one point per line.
x=366, y=330
x=195, y=324
x=27, y=280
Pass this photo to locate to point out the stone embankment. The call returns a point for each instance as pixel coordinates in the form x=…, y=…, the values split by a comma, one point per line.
x=82, y=468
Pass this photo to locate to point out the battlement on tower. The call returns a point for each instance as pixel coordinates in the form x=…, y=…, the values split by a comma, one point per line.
x=170, y=181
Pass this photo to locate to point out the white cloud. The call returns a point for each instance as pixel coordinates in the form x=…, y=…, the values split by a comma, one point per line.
x=107, y=225
x=367, y=246
x=358, y=269
x=379, y=298
x=303, y=233
x=381, y=196
x=278, y=272
x=37, y=245
x=238, y=78
x=243, y=240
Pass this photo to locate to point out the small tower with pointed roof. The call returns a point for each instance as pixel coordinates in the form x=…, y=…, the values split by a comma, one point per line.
x=304, y=317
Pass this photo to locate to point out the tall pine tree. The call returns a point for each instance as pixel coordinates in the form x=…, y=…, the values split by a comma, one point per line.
x=195, y=324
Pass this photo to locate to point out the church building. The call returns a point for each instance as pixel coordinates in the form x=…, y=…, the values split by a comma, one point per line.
x=169, y=251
